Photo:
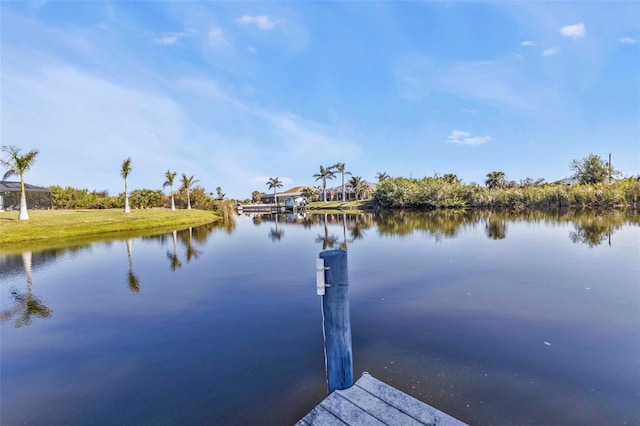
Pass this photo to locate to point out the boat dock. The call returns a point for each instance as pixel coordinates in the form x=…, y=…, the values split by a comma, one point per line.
x=367, y=401
x=372, y=402
x=259, y=208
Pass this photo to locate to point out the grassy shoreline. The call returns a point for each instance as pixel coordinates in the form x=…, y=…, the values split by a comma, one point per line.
x=66, y=225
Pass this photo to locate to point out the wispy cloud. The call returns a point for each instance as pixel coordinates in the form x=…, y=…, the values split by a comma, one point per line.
x=528, y=43
x=464, y=138
x=499, y=82
x=551, y=51
x=575, y=31
x=627, y=40
x=217, y=37
x=169, y=39
x=263, y=22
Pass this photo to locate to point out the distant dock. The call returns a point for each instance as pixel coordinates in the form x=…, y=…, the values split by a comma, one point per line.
x=259, y=208
x=372, y=402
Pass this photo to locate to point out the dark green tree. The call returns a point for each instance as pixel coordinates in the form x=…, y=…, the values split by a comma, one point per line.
x=592, y=169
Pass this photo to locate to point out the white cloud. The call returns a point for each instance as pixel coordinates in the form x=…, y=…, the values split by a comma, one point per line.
x=574, y=31
x=499, y=82
x=628, y=40
x=216, y=37
x=263, y=22
x=464, y=138
x=528, y=43
x=169, y=39
x=551, y=51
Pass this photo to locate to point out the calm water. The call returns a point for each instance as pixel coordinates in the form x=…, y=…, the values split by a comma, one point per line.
x=493, y=318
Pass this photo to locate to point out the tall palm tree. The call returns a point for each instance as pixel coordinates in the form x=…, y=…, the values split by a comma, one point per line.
x=324, y=175
x=341, y=168
x=169, y=182
x=274, y=183
x=495, y=180
x=18, y=165
x=126, y=169
x=382, y=176
x=186, y=186
x=356, y=183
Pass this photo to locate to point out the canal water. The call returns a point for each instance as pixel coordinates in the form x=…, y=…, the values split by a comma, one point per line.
x=494, y=318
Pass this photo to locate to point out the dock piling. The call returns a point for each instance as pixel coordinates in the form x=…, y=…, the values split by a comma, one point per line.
x=337, y=321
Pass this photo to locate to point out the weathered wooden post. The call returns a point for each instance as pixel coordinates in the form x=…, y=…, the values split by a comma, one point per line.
x=334, y=289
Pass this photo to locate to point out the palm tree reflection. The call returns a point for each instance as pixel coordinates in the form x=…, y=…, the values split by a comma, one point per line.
x=173, y=257
x=134, y=281
x=328, y=241
x=496, y=228
x=276, y=234
x=186, y=236
x=28, y=305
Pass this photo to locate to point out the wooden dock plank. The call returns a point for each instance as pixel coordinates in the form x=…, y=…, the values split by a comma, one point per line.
x=348, y=412
x=377, y=407
x=320, y=416
x=418, y=410
x=372, y=402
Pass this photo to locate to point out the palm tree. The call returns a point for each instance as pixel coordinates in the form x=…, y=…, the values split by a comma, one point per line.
x=324, y=175
x=126, y=169
x=18, y=165
x=495, y=180
x=186, y=186
x=382, y=176
x=169, y=182
x=341, y=167
x=274, y=183
x=356, y=183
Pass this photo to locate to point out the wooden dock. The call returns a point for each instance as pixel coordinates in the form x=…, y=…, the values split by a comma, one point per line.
x=372, y=402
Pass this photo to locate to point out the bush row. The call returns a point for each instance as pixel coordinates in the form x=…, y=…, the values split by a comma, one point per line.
x=431, y=193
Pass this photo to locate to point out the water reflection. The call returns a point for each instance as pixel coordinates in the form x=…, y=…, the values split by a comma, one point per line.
x=133, y=280
x=187, y=237
x=275, y=234
x=173, y=256
x=594, y=231
x=496, y=228
x=328, y=241
x=28, y=306
x=591, y=227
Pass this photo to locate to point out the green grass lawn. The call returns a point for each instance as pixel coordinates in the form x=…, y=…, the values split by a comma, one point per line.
x=65, y=225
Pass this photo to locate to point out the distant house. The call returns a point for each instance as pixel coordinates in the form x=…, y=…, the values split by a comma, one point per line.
x=37, y=197
x=567, y=181
x=287, y=196
x=335, y=193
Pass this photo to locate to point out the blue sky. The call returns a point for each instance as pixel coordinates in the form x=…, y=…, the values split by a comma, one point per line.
x=237, y=92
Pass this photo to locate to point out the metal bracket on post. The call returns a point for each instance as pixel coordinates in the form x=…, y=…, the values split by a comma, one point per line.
x=320, y=284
